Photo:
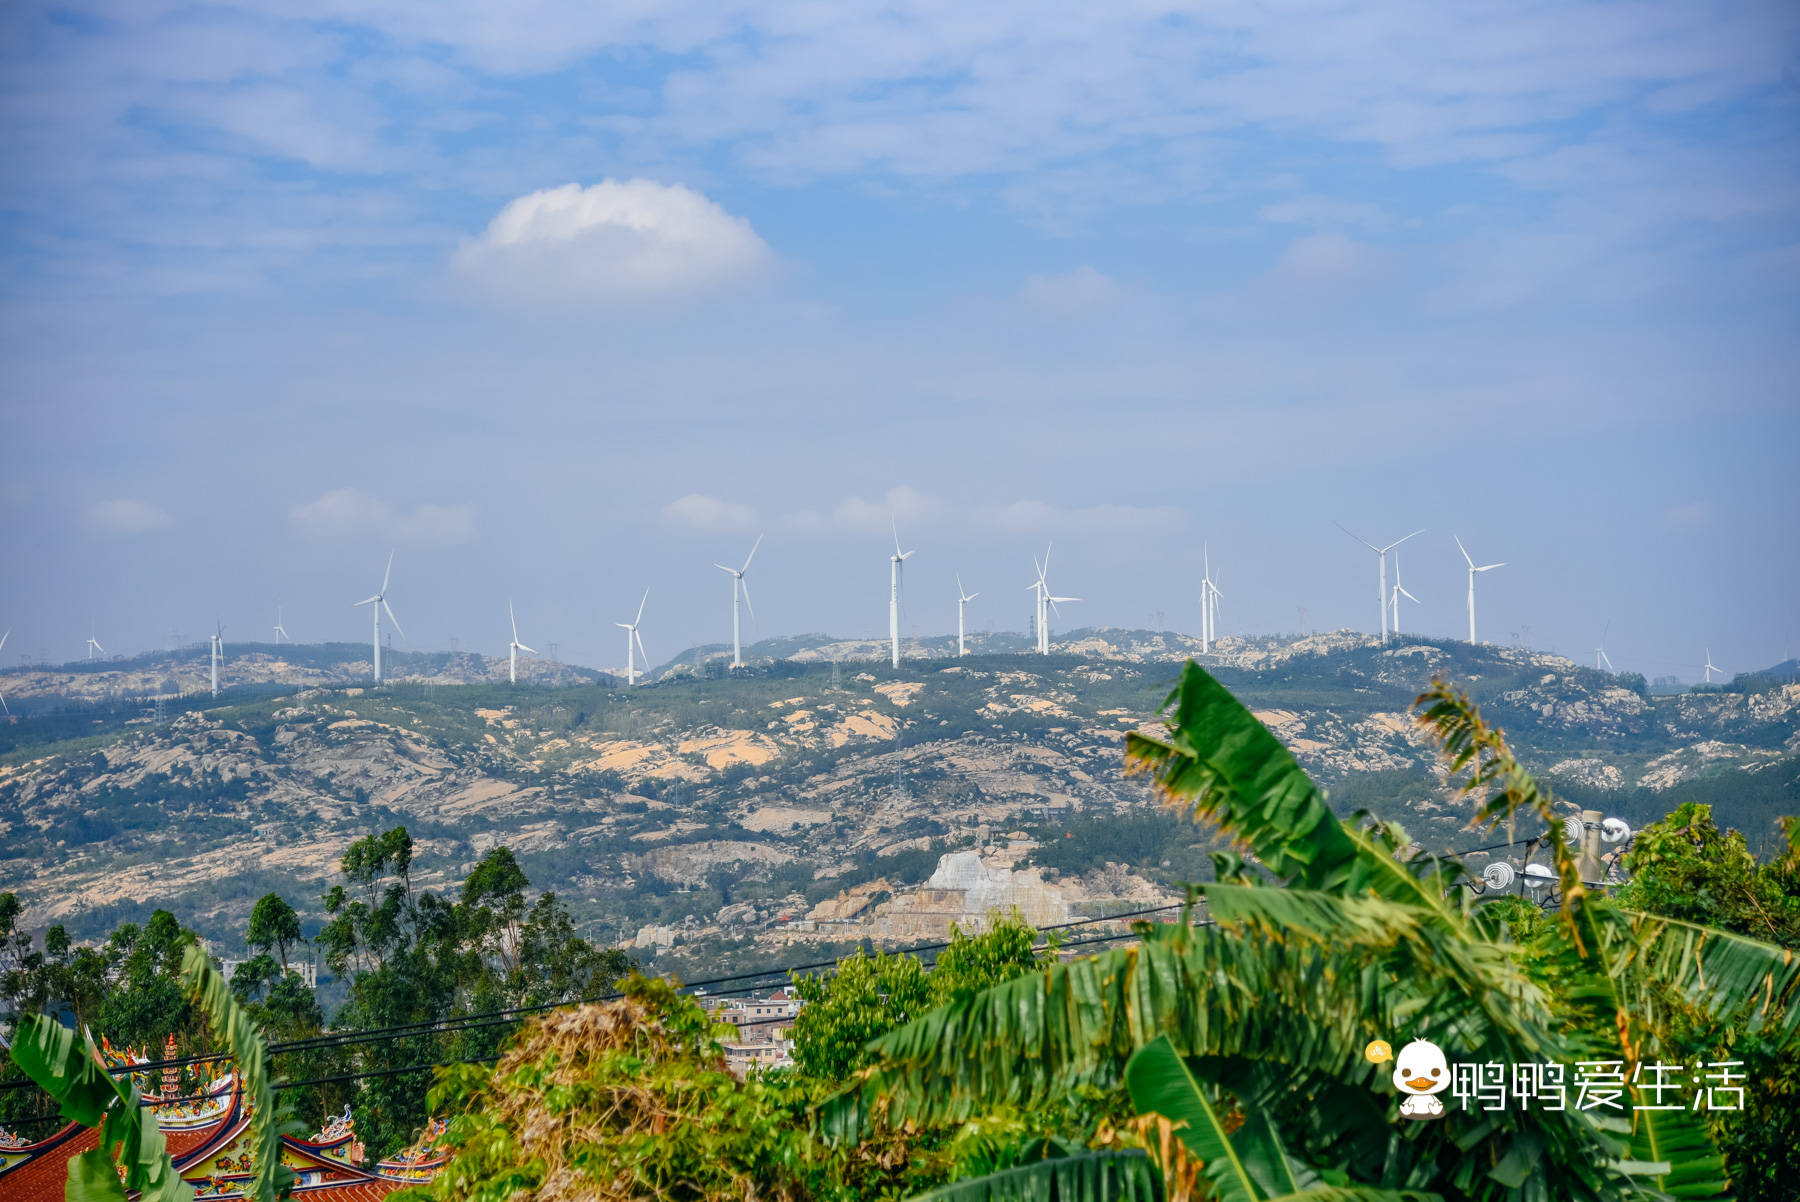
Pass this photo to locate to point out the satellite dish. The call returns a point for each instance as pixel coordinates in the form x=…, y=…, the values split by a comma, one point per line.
x=1572, y=831
x=1615, y=830
x=1497, y=875
x=1538, y=877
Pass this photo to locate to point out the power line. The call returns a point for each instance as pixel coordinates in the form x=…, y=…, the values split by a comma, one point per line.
x=488, y=1019
x=153, y=1100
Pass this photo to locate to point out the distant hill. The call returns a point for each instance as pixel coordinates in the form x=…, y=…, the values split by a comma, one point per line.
x=709, y=803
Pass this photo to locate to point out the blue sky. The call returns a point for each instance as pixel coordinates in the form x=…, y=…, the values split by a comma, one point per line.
x=566, y=300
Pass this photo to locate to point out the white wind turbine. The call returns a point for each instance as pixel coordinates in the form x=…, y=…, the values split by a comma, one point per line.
x=1046, y=603
x=218, y=654
x=1399, y=592
x=631, y=632
x=1381, y=588
x=740, y=585
x=93, y=645
x=962, y=599
x=1472, y=570
x=1209, y=605
x=513, y=648
x=378, y=603
x=896, y=566
x=4, y=708
x=1711, y=667
x=280, y=630
x=1600, y=656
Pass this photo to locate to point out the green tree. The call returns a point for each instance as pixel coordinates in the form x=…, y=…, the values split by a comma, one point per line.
x=1686, y=867
x=273, y=925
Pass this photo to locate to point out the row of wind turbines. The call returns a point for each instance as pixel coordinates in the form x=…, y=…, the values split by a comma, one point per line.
x=1045, y=600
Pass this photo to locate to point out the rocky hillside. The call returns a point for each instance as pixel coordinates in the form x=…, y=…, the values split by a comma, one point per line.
x=810, y=796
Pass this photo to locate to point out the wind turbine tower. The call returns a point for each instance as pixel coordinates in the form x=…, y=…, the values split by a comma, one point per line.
x=280, y=630
x=1472, y=571
x=1399, y=592
x=740, y=585
x=1046, y=603
x=513, y=649
x=218, y=654
x=962, y=599
x=1601, y=659
x=896, y=566
x=1209, y=606
x=1381, y=588
x=631, y=632
x=378, y=603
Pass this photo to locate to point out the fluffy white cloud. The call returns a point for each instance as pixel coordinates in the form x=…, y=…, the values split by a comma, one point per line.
x=1079, y=293
x=616, y=240
x=126, y=515
x=903, y=504
x=348, y=512
x=697, y=511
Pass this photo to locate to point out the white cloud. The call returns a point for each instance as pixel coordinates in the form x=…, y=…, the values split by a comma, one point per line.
x=1082, y=292
x=348, y=512
x=126, y=515
x=902, y=504
x=616, y=240
x=696, y=511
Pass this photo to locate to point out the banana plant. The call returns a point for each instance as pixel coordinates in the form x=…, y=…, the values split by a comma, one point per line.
x=131, y=1154
x=1327, y=937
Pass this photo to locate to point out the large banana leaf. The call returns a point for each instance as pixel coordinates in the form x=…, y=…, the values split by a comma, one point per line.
x=1106, y=1176
x=86, y=1093
x=1724, y=973
x=268, y=1121
x=1160, y=1083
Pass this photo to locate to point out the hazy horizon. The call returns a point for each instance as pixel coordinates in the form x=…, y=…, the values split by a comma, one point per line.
x=572, y=306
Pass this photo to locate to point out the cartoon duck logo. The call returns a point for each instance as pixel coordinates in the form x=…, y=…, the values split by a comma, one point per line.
x=1420, y=1071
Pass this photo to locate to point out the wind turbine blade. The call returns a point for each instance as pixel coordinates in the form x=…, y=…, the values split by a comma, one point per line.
x=1365, y=542
x=752, y=554
x=1407, y=595
x=527, y=650
x=640, y=643
x=392, y=618
x=971, y=596
x=895, y=526
x=623, y=625
x=366, y=601
x=1053, y=601
x=513, y=620
x=959, y=592
x=1464, y=550
x=389, y=572
x=1490, y=567
x=3, y=638
x=1397, y=542
x=640, y=616
x=745, y=585
x=723, y=568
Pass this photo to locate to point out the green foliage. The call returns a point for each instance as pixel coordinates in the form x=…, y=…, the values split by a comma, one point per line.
x=1359, y=943
x=868, y=996
x=624, y=1100
x=273, y=924
x=1104, y=1176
